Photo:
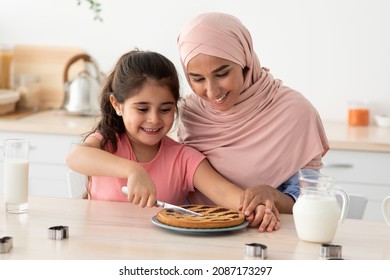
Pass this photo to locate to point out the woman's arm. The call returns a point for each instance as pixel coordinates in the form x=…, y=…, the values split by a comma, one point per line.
x=283, y=198
x=270, y=197
x=87, y=158
x=280, y=200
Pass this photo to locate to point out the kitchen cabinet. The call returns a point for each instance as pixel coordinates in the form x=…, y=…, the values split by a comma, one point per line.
x=361, y=172
x=48, y=169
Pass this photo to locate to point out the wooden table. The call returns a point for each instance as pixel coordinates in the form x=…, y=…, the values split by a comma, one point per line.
x=101, y=230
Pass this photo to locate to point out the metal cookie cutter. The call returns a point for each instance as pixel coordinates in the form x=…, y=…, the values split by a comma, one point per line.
x=256, y=251
x=6, y=244
x=330, y=252
x=58, y=232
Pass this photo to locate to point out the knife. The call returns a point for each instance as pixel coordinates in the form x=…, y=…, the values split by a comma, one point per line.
x=169, y=206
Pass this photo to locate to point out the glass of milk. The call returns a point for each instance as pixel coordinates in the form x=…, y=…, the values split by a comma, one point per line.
x=317, y=212
x=16, y=167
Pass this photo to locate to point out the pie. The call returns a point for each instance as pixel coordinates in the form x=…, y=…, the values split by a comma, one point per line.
x=213, y=217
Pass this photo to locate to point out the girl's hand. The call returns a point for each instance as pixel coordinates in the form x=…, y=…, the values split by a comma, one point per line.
x=141, y=188
x=263, y=218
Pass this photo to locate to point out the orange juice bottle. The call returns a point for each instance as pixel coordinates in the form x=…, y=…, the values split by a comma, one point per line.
x=6, y=57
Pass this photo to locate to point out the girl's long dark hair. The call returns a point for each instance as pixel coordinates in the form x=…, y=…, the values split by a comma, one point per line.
x=132, y=71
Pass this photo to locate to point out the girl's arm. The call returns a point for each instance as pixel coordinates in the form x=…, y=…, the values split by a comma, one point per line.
x=87, y=158
x=213, y=185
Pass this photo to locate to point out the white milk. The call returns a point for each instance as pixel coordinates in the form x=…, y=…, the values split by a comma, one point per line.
x=15, y=181
x=316, y=218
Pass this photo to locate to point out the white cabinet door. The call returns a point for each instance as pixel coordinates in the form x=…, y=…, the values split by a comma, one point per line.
x=48, y=170
x=366, y=173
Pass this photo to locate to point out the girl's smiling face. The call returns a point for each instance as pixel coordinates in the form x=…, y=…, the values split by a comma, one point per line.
x=147, y=115
x=217, y=80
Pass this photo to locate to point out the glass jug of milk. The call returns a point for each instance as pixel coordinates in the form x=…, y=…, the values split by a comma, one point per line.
x=317, y=212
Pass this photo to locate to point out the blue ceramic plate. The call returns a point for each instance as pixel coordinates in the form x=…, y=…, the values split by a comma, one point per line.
x=198, y=230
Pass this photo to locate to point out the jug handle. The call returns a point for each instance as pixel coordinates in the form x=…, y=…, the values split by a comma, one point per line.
x=75, y=58
x=345, y=206
x=385, y=205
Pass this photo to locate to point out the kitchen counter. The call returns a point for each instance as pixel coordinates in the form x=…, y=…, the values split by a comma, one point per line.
x=340, y=135
x=357, y=138
x=50, y=121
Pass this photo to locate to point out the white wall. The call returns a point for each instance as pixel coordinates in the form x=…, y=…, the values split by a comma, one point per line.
x=330, y=50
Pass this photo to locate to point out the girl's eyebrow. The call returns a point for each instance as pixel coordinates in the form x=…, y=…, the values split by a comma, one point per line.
x=146, y=103
x=214, y=71
x=168, y=103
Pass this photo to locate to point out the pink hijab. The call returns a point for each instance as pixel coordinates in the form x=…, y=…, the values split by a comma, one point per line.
x=272, y=131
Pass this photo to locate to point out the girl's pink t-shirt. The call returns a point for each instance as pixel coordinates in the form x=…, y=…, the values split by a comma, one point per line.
x=172, y=171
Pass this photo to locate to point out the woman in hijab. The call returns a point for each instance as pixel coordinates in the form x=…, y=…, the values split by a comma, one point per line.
x=254, y=130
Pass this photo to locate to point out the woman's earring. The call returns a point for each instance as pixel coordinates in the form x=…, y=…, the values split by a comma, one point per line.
x=118, y=113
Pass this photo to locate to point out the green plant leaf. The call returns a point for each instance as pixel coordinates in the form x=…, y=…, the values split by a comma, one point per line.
x=95, y=7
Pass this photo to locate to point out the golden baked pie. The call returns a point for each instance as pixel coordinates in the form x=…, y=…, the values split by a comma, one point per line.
x=213, y=217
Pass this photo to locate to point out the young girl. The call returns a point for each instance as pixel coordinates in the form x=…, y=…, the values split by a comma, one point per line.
x=129, y=146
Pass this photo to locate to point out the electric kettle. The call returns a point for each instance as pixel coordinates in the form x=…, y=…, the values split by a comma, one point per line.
x=82, y=92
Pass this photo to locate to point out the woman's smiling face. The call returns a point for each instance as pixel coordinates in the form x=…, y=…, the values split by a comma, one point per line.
x=216, y=80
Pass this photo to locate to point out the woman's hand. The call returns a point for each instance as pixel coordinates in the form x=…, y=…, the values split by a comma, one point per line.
x=258, y=205
x=141, y=188
x=263, y=194
x=265, y=220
